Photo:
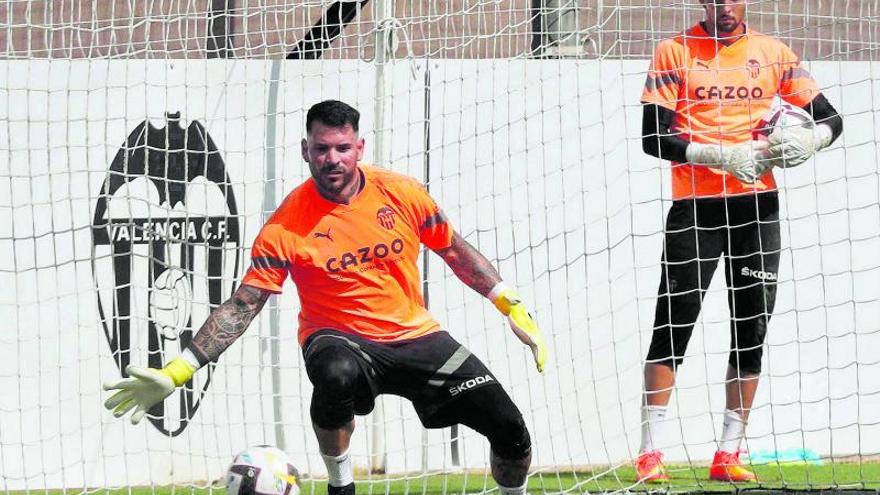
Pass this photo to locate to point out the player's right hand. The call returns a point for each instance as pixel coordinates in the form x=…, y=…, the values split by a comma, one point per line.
x=746, y=161
x=145, y=388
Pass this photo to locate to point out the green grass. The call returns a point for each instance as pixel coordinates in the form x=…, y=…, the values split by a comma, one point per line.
x=684, y=479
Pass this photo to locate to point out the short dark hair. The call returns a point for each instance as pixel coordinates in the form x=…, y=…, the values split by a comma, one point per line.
x=333, y=113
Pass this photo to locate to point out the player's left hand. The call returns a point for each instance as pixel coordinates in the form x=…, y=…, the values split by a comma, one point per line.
x=522, y=324
x=793, y=146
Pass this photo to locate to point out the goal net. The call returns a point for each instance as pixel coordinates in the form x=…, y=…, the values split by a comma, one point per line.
x=142, y=145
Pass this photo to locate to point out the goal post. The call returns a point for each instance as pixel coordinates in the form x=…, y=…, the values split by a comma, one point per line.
x=142, y=145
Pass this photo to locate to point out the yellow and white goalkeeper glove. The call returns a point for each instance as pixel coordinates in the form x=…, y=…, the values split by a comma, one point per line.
x=792, y=146
x=524, y=327
x=146, y=387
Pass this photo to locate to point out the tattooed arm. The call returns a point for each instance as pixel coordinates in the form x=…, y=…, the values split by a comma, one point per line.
x=470, y=266
x=476, y=272
x=227, y=322
x=146, y=387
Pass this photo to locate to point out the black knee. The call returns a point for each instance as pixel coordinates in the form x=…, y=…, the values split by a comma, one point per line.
x=674, y=319
x=335, y=374
x=747, y=349
x=747, y=361
x=510, y=438
x=668, y=346
x=490, y=412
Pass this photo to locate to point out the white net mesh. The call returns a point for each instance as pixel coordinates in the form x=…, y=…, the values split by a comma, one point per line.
x=537, y=161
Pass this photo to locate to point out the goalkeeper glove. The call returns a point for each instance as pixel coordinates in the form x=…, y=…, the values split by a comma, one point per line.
x=146, y=387
x=793, y=146
x=746, y=162
x=524, y=327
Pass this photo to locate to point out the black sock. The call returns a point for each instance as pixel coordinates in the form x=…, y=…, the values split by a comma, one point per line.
x=340, y=490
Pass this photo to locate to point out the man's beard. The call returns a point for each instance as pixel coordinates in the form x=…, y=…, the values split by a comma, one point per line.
x=727, y=27
x=336, y=184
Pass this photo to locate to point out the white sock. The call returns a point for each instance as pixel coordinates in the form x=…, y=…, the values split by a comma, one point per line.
x=516, y=490
x=339, y=470
x=732, y=432
x=653, y=427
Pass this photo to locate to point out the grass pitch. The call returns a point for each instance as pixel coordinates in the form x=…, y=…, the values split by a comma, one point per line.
x=828, y=478
x=683, y=479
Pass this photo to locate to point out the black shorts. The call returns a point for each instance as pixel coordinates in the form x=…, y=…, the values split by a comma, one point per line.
x=433, y=372
x=745, y=231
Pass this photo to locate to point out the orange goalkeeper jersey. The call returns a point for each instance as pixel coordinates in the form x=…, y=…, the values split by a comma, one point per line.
x=354, y=265
x=719, y=94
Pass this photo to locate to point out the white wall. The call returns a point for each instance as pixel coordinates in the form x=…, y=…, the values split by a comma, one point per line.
x=538, y=163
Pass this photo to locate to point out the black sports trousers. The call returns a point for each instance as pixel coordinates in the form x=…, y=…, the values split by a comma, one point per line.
x=745, y=231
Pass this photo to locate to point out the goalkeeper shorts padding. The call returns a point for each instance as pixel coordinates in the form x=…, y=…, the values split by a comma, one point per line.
x=745, y=231
x=340, y=388
x=492, y=413
x=445, y=382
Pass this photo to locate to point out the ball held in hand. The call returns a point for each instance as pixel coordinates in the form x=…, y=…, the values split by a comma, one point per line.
x=780, y=118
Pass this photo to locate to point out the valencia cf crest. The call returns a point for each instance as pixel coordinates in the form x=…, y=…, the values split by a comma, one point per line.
x=166, y=251
x=385, y=216
x=754, y=68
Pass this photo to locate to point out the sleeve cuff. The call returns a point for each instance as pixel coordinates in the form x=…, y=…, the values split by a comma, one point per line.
x=262, y=285
x=497, y=290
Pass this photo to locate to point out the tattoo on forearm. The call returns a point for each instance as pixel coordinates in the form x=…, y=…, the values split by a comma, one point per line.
x=470, y=266
x=228, y=321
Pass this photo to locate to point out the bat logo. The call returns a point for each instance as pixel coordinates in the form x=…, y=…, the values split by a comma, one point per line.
x=385, y=217
x=754, y=68
x=166, y=250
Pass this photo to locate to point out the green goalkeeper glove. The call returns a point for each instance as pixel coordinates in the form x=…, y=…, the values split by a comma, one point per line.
x=524, y=327
x=146, y=387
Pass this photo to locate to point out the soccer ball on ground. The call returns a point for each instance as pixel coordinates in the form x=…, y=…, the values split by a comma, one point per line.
x=262, y=470
x=782, y=117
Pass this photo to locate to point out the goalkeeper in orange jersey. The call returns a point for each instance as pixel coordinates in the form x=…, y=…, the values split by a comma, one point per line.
x=706, y=91
x=349, y=238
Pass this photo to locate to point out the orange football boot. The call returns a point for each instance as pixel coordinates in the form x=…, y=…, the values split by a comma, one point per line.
x=650, y=469
x=726, y=466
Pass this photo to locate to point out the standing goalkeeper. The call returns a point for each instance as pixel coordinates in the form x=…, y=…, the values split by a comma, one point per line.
x=349, y=238
x=706, y=90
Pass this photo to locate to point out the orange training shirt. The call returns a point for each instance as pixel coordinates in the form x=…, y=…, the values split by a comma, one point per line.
x=719, y=95
x=354, y=265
